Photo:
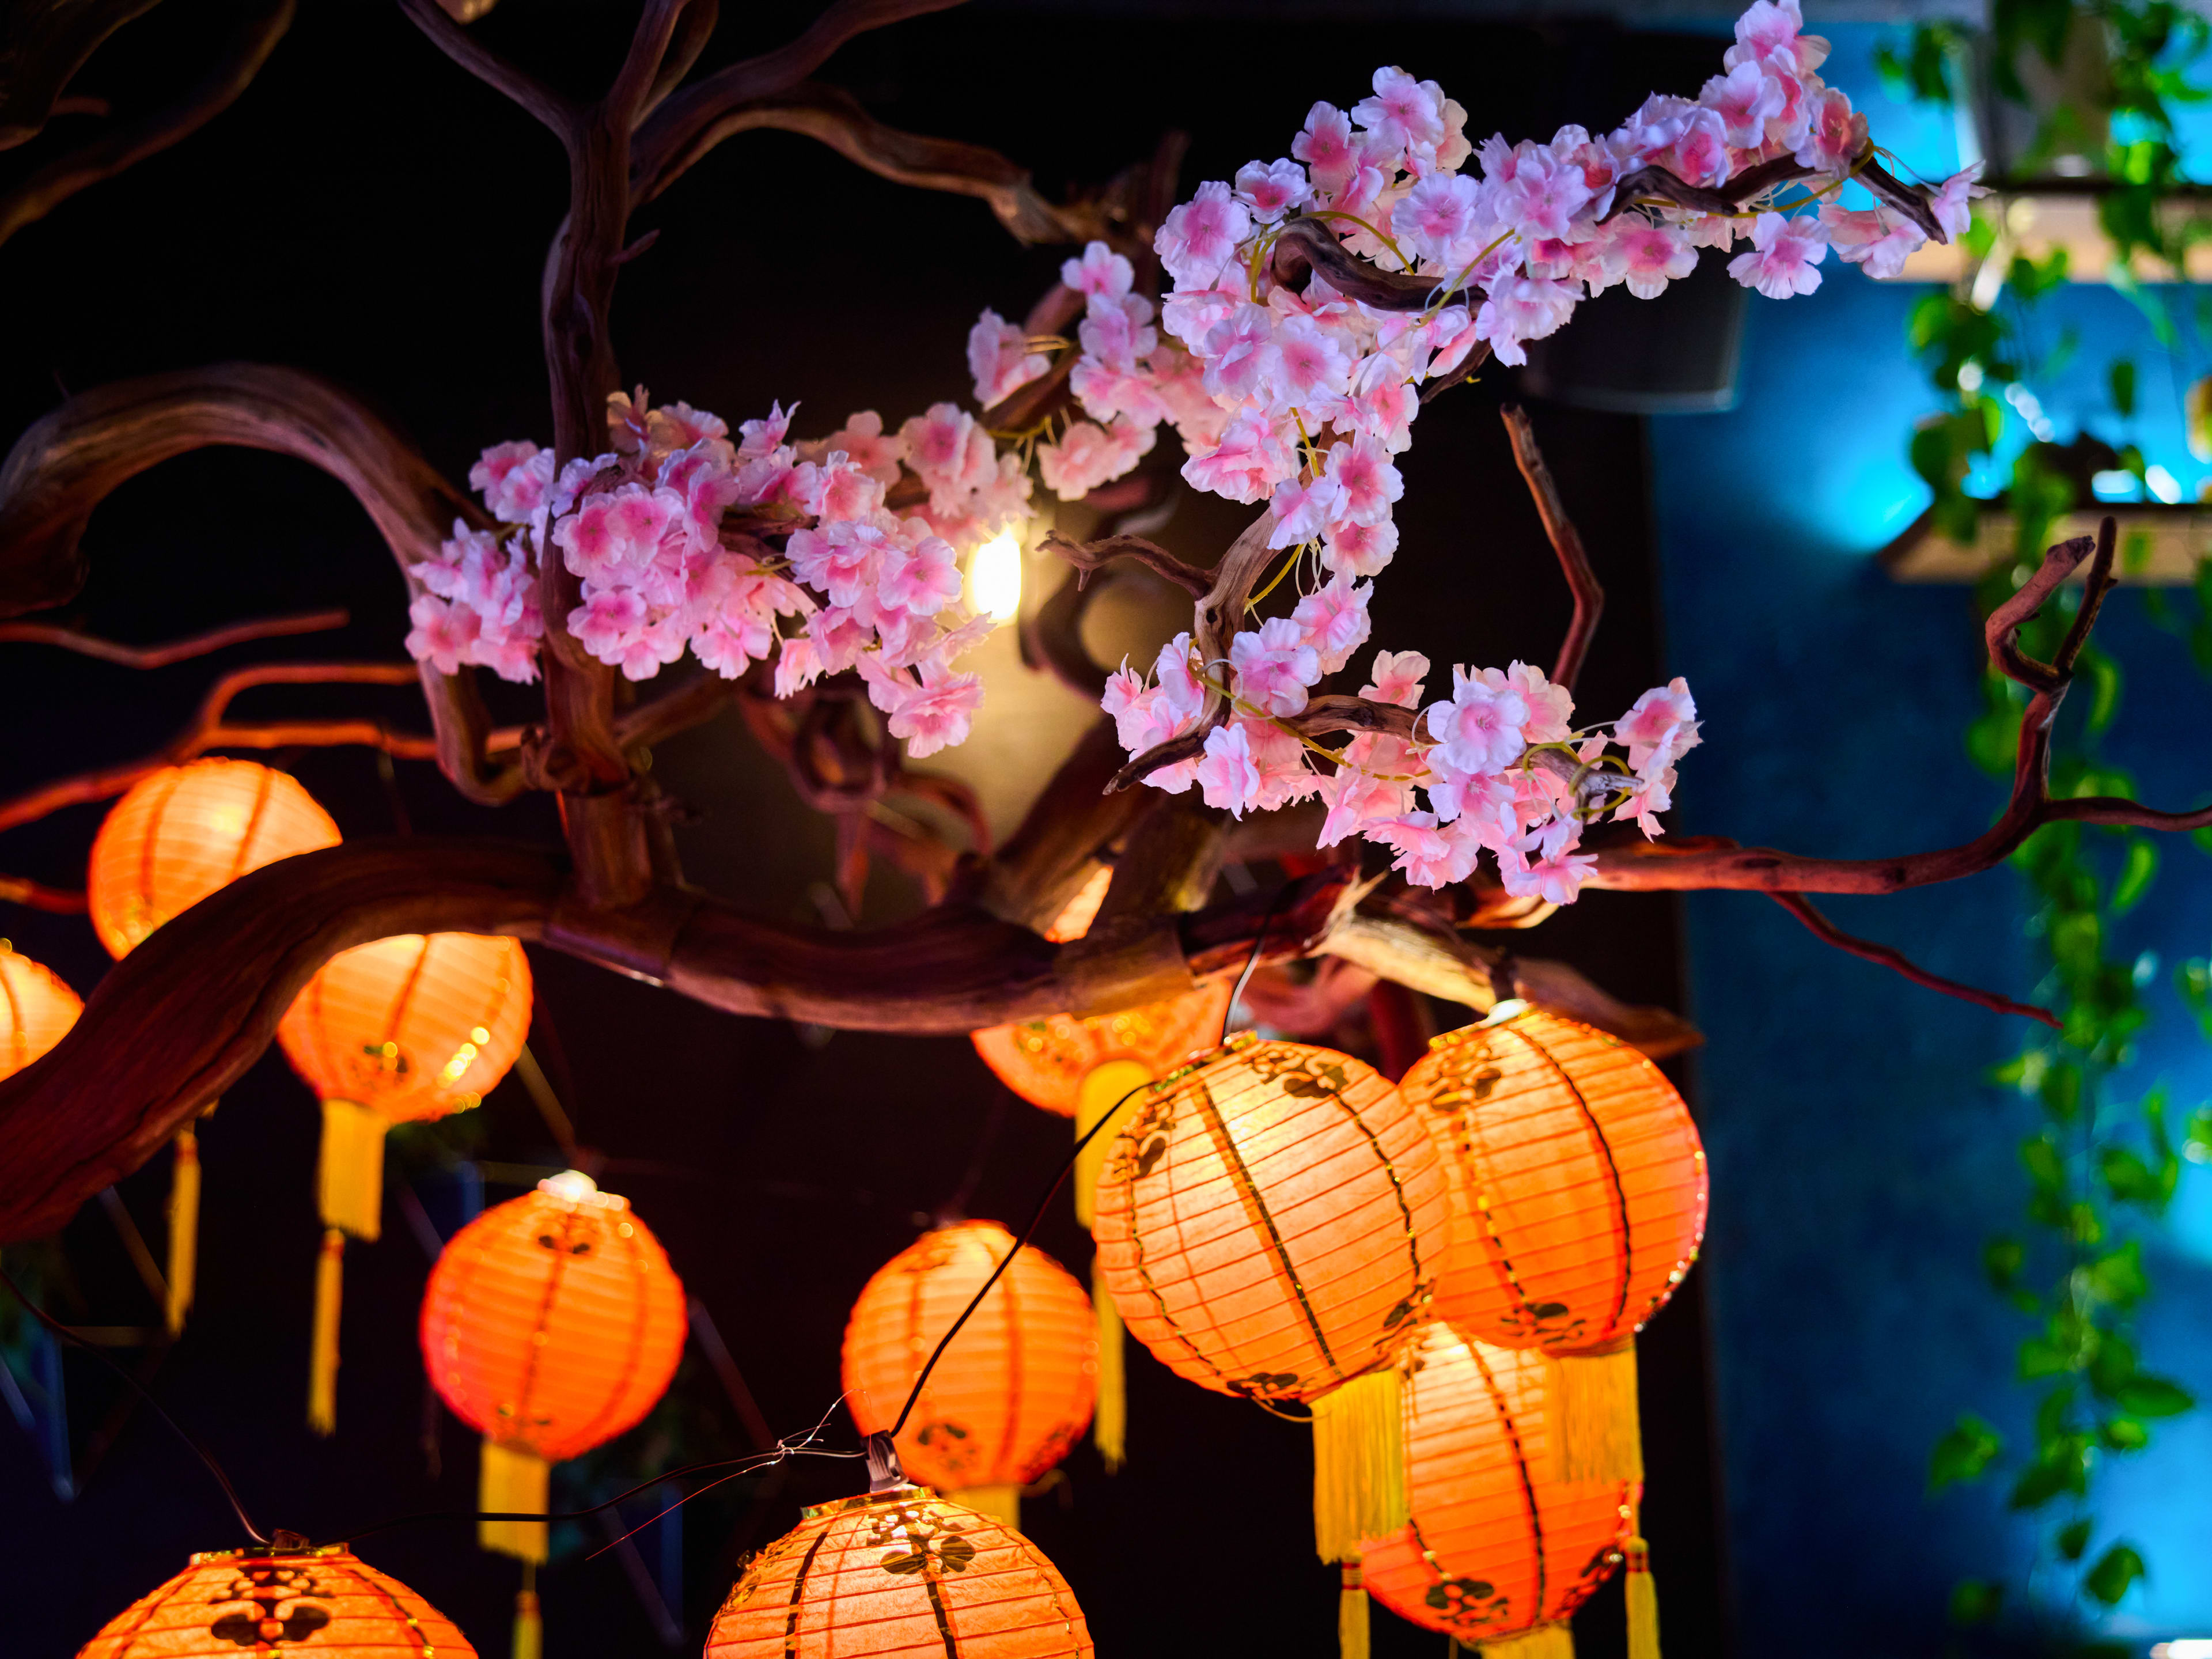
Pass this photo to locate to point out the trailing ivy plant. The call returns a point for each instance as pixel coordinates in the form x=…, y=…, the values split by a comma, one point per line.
x=2105, y=1159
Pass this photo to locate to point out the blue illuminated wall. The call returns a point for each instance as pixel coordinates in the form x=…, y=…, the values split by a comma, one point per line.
x=1858, y=1158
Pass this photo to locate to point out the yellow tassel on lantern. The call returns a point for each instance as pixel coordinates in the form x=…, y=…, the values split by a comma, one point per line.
x=1104, y=1087
x=323, y=1354
x=1600, y=1434
x=1351, y=1614
x=1359, y=1464
x=529, y=1639
x=1545, y=1641
x=1002, y=1503
x=513, y=1481
x=1109, y=1414
x=1643, y=1602
x=184, y=1228
x=350, y=1174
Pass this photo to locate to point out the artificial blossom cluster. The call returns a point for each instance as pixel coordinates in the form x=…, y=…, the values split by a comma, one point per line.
x=682, y=538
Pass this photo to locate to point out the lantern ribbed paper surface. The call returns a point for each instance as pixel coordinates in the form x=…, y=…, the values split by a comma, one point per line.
x=36, y=1010
x=553, y=1321
x=1046, y=1060
x=1582, y=1181
x=1014, y=1389
x=415, y=1026
x=1495, y=1546
x=899, y=1575
x=324, y=1601
x=1269, y=1220
x=178, y=836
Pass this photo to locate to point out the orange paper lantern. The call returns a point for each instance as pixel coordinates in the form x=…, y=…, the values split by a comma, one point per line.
x=551, y=1323
x=181, y=833
x=1581, y=1189
x=325, y=1602
x=899, y=1575
x=1014, y=1388
x=401, y=1028
x=36, y=1010
x=1496, y=1547
x=1045, y=1061
x=1269, y=1223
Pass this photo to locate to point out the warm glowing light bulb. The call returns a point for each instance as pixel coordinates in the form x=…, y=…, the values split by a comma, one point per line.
x=994, y=578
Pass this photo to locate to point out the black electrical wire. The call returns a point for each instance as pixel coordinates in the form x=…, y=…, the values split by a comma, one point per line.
x=199, y=1451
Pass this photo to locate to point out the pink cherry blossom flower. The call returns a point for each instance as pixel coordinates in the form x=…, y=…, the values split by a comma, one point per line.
x=1358, y=549
x=1000, y=359
x=1198, y=238
x=1136, y=393
x=1556, y=877
x=1522, y=308
x=1116, y=330
x=1430, y=855
x=836, y=489
x=1651, y=255
x=1325, y=146
x=1699, y=154
x=1542, y=197
x=923, y=579
x=1304, y=510
x=727, y=643
x=1404, y=113
x=443, y=633
x=1876, y=242
x=1239, y=354
x=1746, y=99
x=951, y=453
x=1311, y=365
x=1383, y=405
x=1440, y=219
x=1661, y=727
x=1396, y=677
x=757, y=438
x=935, y=715
x=1787, y=255
x=1271, y=189
x=839, y=638
x=1551, y=708
x=1226, y=774
x=1952, y=205
x=1371, y=483
x=1274, y=666
x=1357, y=799
x=1835, y=135
x=516, y=479
x=607, y=622
x=1770, y=34
x=1100, y=274
x=1487, y=803
x=1087, y=456
x=1280, y=760
x=1647, y=797
x=1333, y=620
x=1247, y=463
x=798, y=663
x=840, y=559
x=1480, y=730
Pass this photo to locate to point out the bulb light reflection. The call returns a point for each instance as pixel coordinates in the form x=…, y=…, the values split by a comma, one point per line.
x=994, y=578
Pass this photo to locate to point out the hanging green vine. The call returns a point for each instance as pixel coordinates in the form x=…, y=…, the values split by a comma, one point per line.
x=2104, y=1162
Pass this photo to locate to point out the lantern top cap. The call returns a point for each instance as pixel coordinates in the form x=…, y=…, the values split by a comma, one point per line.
x=575, y=1187
x=866, y=1500
x=280, y=1551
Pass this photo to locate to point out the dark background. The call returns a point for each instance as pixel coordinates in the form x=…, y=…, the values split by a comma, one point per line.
x=367, y=211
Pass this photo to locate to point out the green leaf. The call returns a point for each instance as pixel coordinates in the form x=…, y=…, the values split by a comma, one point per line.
x=2046, y=1165
x=2130, y=1180
x=2112, y=1365
x=2041, y=1482
x=2117, y=1568
x=1975, y=1601
x=2123, y=1434
x=2001, y=1261
x=2118, y=1278
x=2144, y=1396
x=2136, y=875
x=1964, y=1452
x=2074, y=1538
x=2123, y=379
x=2039, y=1356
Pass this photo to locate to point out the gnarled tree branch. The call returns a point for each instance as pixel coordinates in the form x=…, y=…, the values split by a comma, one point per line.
x=516, y=84
x=161, y=656
x=1566, y=542
x=1825, y=930
x=43, y=44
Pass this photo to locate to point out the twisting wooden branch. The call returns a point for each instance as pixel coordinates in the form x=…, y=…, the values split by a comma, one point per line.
x=1826, y=930
x=1656, y=184
x=1566, y=542
x=109, y=154
x=161, y=656
x=37, y=895
x=44, y=43
x=557, y=114
x=1088, y=557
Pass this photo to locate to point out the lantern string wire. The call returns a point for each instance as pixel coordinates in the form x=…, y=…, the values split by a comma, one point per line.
x=1051, y=1192
x=238, y=1508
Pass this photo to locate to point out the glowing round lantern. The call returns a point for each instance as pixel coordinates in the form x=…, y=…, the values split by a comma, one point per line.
x=1582, y=1198
x=325, y=1602
x=899, y=1575
x=1269, y=1222
x=394, y=1031
x=1499, y=1550
x=36, y=1010
x=180, y=834
x=1014, y=1388
x=551, y=1323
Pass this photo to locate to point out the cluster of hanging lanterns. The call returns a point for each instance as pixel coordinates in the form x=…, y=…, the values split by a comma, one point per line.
x=1445, y=1276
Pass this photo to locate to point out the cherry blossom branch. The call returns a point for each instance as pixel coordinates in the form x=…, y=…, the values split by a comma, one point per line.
x=37, y=895
x=1305, y=245
x=109, y=154
x=1825, y=930
x=1566, y=542
x=209, y=730
x=1070, y=829
x=69, y=460
x=697, y=700
x=683, y=128
x=514, y=82
x=1657, y=184
x=833, y=116
x=682, y=54
x=1089, y=557
x=44, y=43
x=161, y=656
